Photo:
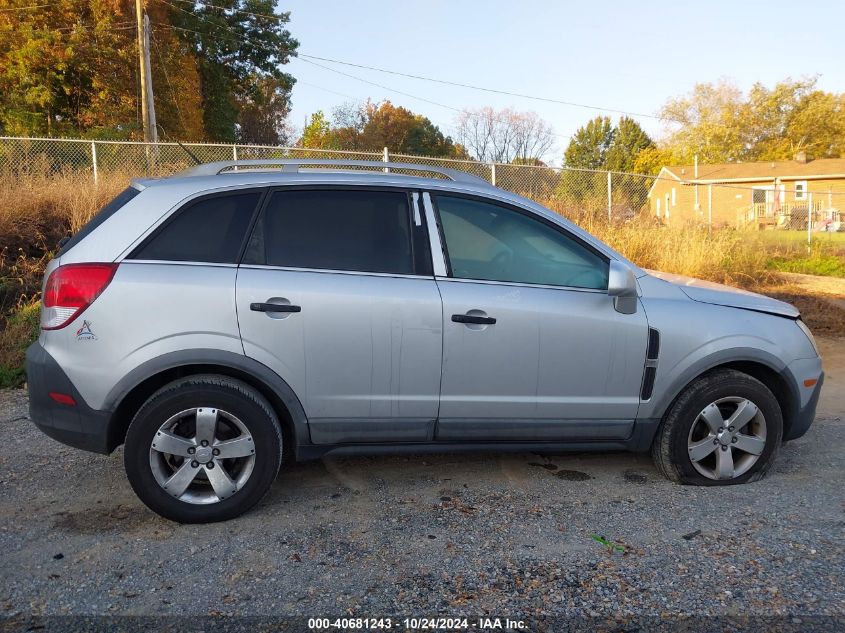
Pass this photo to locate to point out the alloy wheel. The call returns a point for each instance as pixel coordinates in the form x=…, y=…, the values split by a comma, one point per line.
x=727, y=438
x=202, y=455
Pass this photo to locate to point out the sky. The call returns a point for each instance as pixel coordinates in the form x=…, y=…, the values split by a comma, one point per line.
x=630, y=56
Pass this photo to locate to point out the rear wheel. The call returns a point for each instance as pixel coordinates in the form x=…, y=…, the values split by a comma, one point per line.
x=725, y=428
x=204, y=448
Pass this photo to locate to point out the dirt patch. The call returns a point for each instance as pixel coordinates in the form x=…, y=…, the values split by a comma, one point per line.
x=572, y=475
x=823, y=314
x=115, y=518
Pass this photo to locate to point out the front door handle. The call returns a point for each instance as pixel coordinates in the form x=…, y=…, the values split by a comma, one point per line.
x=274, y=307
x=471, y=318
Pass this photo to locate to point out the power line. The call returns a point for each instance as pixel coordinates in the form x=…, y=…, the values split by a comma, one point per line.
x=481, y=88
x=215, y=6
x=378, y=85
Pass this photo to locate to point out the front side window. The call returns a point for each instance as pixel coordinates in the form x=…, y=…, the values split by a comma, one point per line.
x=363, y=231
x=208, y=230
x=801, y=190
x=489, y=242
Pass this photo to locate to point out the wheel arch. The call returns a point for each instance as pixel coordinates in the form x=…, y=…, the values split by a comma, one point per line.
x=127, y=396
x=768, y=369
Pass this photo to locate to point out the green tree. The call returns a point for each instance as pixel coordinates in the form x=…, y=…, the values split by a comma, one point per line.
x=240, y=46
x=601, y=146
x=590, y=144
x=629, y=139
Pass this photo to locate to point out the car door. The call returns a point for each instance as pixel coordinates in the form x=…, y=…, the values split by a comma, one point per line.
x=336, y=294
x=533, y=347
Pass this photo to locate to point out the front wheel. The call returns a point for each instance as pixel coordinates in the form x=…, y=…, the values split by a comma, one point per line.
x=202, y=449
x=724, y=429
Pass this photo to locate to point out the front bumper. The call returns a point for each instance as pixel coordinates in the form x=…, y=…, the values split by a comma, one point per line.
x=76, y=425
x=805, y=415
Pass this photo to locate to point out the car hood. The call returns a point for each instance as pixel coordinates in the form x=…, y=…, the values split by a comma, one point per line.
x=721, y=295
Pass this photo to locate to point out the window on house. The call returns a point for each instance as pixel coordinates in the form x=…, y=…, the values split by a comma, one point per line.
x=801, y=190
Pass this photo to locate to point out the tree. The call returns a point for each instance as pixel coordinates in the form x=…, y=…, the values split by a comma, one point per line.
x=317, y=133
x=719, y=123
x=599, y=145
x=590, y=144
x=504, y=135
x=373, y=126
x=65, y=67
x=240, y=46
x=71, y=67
x=629, y=139
x=263, y=112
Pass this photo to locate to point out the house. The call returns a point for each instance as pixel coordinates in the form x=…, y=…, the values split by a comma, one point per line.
x=765, y=194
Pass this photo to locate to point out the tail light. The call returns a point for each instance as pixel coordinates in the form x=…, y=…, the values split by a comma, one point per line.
x=72, y=288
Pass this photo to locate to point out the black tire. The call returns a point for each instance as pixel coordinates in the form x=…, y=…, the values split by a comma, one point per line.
x=227, y=394
x=670, y=447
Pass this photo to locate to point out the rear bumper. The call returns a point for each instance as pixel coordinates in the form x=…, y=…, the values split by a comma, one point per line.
x=76, y=425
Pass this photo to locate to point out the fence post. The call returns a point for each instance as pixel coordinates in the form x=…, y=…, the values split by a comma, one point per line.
x=809, y=219
x=386, y=158
x=234, y=152
x=493, y=174
x=94, y=161
x=609, y=199
x=709, y=208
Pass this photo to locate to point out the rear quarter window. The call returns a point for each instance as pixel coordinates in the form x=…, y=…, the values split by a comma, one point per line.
x=101, y=216
x=208, y=230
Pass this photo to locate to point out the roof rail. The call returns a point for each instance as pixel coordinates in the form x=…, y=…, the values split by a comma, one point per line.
x=296, y=164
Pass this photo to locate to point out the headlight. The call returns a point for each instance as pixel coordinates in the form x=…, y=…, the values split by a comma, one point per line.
x=809, y=335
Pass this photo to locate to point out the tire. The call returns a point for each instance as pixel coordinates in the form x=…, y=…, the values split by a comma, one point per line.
x=224, y=475
x=689, y=449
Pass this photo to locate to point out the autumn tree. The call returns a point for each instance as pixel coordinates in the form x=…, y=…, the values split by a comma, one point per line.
x=71, y=67
x=66, y=67
x=372, y=126
x=719, y=123
x=503, y=135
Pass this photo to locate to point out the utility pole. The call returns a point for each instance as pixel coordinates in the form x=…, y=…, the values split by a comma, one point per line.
x=147, y=107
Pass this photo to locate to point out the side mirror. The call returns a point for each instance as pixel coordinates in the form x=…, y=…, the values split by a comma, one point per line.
x=622, y=286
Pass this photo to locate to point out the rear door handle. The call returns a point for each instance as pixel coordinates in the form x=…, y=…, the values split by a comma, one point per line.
x=274, y=307
x=470, y=318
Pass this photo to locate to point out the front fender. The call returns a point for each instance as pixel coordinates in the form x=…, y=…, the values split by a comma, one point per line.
x=672, y=380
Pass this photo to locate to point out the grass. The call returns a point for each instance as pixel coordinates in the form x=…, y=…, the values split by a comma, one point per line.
x=39, y=206
x=21, y=328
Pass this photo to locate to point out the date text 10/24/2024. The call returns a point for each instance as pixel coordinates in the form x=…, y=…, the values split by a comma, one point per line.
x=417, y=624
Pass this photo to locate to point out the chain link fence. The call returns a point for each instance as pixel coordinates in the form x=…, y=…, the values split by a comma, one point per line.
x=582, y=195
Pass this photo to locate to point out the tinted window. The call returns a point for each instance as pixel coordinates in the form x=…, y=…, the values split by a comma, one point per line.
x=102, y=215
x=367, y=231
x=207, y=230
x=489, y=242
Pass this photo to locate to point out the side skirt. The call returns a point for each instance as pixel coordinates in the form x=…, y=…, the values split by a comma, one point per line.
x=639, y=441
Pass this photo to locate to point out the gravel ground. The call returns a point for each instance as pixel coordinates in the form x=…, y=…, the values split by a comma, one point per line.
x=516, y=535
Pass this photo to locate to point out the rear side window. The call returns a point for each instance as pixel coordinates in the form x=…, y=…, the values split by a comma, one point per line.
x=207, y=230
x=102, y=215
x=365, y=231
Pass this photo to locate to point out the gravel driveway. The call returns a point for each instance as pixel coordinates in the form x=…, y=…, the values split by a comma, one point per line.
x=518, y=535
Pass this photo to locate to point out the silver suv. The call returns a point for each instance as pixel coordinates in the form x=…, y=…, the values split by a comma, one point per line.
x=243, y=313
